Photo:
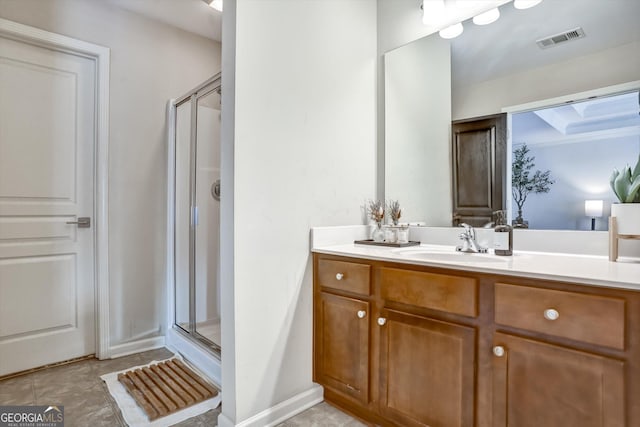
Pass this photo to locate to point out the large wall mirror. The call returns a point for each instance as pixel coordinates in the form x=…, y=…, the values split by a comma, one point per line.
x=500, y=67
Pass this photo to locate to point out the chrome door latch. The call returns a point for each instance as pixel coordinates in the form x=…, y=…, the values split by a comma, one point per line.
x=82, y=222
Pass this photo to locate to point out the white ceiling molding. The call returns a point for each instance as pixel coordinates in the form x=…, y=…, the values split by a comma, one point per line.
x=598, y=114
x=600, y=135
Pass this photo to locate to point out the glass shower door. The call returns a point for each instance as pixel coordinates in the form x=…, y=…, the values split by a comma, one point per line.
x=197, y=215
x=207, y=232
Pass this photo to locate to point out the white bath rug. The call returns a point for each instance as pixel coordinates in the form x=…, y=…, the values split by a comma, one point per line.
x=134, y=416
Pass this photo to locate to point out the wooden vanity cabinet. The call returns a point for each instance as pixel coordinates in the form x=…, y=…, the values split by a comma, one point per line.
x=341, y=327
x=343, y=345
x=540, y=384
x=542, y=381
x=398, y=365
x=447, y=348
x=426, y=371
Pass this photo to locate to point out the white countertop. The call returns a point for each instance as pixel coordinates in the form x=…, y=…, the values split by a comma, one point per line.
x=585, y=269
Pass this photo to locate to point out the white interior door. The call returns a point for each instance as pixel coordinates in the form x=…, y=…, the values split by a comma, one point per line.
x=47, y=134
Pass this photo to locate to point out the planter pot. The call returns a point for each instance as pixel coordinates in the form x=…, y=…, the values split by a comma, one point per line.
x=627, y=217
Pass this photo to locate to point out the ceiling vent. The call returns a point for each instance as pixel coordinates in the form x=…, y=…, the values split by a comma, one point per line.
x=573, y=34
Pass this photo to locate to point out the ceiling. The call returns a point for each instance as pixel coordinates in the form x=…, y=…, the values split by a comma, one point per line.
x=509, y=44
x=600, y=118
x=194, y=16
x=481, y=52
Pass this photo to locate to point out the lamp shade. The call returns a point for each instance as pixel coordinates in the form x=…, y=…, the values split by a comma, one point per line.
x=593, y=208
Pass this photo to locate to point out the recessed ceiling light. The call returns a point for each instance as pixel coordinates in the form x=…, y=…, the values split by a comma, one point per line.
x=453, y=31
x=525, y=4
x=487, y=17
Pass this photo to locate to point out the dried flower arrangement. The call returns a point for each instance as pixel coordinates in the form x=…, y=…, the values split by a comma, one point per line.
x=395, y=212
x=376, y=210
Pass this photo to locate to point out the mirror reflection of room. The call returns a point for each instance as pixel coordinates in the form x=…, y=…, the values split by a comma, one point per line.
x=509, y=66
x=580, y=144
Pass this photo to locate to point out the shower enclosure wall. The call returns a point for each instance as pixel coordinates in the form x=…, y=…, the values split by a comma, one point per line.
x=194, y=217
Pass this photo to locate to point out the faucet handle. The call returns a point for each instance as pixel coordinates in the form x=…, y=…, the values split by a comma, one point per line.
x=469, y=231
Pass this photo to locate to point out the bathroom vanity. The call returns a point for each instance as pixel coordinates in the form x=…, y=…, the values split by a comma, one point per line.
x=425, y=337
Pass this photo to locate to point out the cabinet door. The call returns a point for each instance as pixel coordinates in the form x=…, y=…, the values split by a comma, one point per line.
x=479, y=163
x=537, y=384
x=426, y=371
x=342, y=345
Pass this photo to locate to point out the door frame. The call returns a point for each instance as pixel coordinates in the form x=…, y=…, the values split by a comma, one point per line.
x=101, y=56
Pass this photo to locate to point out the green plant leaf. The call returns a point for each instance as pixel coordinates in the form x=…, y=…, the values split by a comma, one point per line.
x=634, y=188
x=612, y=181
x=622, y=183
x=636, y=170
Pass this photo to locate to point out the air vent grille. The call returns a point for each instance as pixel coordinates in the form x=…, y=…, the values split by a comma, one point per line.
x=573, y=34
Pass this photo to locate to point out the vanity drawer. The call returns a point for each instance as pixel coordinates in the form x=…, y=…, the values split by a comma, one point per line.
x=589, y=318
x=452, y=294
x=344, y=276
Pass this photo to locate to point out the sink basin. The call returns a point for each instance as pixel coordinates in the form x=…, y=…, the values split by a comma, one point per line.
x=435, y=255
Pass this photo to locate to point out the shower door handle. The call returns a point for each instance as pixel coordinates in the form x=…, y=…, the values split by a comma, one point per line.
x=215, y=190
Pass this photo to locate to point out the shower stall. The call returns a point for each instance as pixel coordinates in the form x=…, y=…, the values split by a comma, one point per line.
x=194, y=221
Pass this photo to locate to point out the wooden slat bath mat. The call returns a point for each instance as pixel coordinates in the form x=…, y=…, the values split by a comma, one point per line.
x=165, y=388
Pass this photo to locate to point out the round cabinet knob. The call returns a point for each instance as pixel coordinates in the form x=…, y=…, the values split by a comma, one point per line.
x=498, y=350
x=551, y=314
x=339, y=276
x=381, y=321
x=361, y=314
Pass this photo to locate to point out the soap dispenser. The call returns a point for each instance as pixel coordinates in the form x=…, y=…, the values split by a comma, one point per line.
x=503, y=235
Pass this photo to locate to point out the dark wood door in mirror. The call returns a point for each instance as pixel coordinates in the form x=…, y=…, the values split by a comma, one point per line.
x=479, y=168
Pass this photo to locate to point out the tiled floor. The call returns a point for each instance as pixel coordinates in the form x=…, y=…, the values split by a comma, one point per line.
x=87, y=401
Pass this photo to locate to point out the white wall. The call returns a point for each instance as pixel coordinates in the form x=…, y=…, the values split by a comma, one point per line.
x=419, y=128
x=150, y=63
x=605, y=68
x=304, y=155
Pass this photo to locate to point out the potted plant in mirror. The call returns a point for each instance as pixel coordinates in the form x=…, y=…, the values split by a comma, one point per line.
x=626, y=186
x=523, y=183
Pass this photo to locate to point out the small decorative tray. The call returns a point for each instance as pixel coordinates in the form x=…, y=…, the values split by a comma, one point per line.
x=391, y=245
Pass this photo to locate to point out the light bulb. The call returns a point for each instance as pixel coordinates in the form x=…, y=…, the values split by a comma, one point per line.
x=216, y=4
x=453, y=31
x=432, y=11
x=487, y=17
x=525, y=4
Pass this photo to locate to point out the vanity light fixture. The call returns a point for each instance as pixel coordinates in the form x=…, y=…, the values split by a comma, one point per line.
x=432, y=11
x=451, y=32
x=215, y=4
x=525, y=4
x=593, y=208
x=487, y=17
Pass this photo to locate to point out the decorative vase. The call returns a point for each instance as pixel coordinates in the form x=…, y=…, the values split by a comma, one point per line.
x=377, y=234
x=627, y=217
x=519, y=222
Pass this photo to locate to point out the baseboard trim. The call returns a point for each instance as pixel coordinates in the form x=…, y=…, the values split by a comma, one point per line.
x=138, y=346
x=282, y=411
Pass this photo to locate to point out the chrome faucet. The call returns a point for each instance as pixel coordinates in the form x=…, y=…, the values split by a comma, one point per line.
x=469, y=244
